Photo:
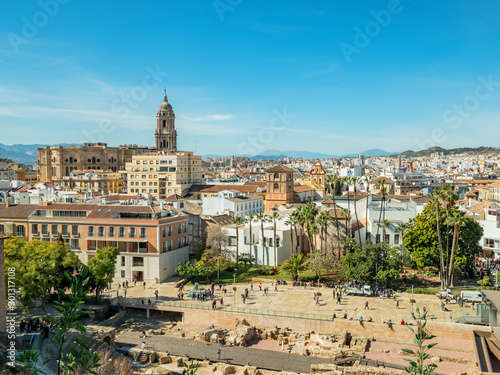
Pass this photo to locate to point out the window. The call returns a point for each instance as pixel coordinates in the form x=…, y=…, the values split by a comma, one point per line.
x=396, y=239
x=65, y=230
x=131, y=233
x=169, y=230
x=100, y=232
x=123, y=274
x=164, y=247
x=387, y=238
x=123, y=261
x=75, y=230
x=111, y=231
x=232, y=240
x=90, y=231
x=164, y=232
x=54, y=230
x=121, y=232
x=137, y=262
x=45, y=229
x=170, y=245
x=276, y=187
x=377, y=240
x=179, y=242
x=2, y=228
x=143, y=233
x=20, y=231
x=185, y=229
x=34, y=228
x=179, y=228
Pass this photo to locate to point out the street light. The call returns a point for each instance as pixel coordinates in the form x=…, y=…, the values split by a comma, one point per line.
x=234, y=286
x=317, y=295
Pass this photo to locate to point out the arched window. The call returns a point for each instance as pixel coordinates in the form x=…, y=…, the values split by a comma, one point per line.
x=164, y=123
x=93, y=160
x=71, y=159
x=276, y=176
x=276, y=187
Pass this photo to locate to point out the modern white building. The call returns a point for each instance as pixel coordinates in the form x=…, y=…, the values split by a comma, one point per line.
x=490, y=242
x=254, y=244
x=234, y=203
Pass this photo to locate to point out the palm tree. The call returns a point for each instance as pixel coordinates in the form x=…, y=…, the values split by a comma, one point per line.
x=354, y=181
x=384, y=224
x=324, y=219
x=263, y=218
x=249, y=219
x=402, y=228
x=368, y=181
x=306, y=217
x=294, y=265
x=437, y=199
x=292, y=221
x=456, y=219
x=313, y=231
x=450, y=198
x=237, y=222
x=345, y=214
x=382, y=203
x=330, y=181
x=348, y=181
x=274, y=217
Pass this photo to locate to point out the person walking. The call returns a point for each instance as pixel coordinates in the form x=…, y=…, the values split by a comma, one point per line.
x=366, y=305
x=144, y=285
x=218, y=353
x=125, y=293
x=397, y=304
x=156, y=293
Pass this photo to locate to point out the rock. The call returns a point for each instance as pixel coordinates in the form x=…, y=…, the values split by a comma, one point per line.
x=152, y=357
x=165, y=359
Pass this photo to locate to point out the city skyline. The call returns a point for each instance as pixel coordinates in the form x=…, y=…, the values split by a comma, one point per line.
x=249, y=77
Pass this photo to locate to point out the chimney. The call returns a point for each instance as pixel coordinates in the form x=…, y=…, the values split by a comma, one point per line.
x=7, y=203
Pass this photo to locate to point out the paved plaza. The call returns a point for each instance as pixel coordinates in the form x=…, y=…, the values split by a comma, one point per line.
x=301, y=300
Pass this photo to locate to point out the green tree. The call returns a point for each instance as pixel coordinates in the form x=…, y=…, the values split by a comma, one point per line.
x=186, y=269
x=422, y=242
x=337, y=190
x=274, y=218
x=102, y=269
x=237, y=221
x=316, y=262
x=246, y=259
x=416, y=366
x=292, y=222
x=40, y=268
x=263, y=219
x=70, y=357
x=295, y=265
x=455, y=219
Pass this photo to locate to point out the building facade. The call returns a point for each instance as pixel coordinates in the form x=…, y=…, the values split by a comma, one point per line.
x=280, y=187
x=233, y=203
x=152, y=239
x=162, y=173
x=53, y=163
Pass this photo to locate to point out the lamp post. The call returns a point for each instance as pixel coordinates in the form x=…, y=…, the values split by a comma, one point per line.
x=234, y=287
x=317, y=295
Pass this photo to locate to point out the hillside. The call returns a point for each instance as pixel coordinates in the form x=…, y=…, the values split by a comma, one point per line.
x=454, y=151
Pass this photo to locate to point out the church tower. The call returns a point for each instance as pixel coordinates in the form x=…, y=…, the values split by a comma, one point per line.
x=165, y=133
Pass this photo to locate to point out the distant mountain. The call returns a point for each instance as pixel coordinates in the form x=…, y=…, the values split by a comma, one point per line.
x=453, y=151
x=25, y=153
x=277, y=155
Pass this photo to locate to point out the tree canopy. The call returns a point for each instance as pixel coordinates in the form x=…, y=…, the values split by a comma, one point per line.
x=421, y=239
x=102, y=268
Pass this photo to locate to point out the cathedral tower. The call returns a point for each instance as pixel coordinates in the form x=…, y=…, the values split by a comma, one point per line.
x=165, y=133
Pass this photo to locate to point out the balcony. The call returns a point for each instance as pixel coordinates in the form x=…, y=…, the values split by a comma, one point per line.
x=36, y=234
x=45, y=234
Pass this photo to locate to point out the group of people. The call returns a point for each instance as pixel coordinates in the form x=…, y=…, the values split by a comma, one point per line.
x=34, y=325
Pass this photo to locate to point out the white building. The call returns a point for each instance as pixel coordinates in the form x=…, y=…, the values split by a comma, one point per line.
x=234, y=203
x=266, y=255
x=490, y=242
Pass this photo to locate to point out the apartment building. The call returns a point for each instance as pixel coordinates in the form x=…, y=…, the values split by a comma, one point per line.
x=152, y=239
x=233, y=203
x=162, y=173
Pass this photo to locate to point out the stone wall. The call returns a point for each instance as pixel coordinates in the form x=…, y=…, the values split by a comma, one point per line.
x=226, y=319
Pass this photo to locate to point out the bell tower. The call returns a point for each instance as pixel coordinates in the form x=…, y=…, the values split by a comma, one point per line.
x=165, y=133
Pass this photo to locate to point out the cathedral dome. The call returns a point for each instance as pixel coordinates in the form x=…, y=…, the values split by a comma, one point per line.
x=165, y=106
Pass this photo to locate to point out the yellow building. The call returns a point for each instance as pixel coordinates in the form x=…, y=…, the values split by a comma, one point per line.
x=162, y=173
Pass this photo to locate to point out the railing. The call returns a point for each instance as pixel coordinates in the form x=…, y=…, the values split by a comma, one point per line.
x=200, y=306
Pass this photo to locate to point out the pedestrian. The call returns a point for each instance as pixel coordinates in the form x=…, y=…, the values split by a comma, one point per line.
x=143, y=346
x=156, y=293
x=221, y=301
x=135, y=282
x=144, y=285
x=451, y=318
x=366, y=305
x=333, y=317
x=125, y=293
x=276, y=288
x=260, y=287
x=251, y=287
x=218, y=353
x=473, y=303
x=214, y=303
x=397, y=304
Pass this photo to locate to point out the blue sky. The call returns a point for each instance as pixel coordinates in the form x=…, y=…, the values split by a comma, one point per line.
x=246, y=76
